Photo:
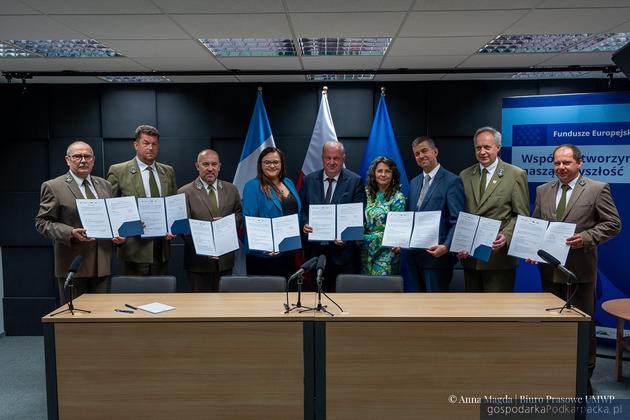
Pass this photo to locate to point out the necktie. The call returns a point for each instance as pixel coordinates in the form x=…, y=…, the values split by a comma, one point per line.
x=562, y=204
x=153, y=187
x=423, y=191
x=214, y=208
x=484, y=181
x=88, y=192
x=329, y=190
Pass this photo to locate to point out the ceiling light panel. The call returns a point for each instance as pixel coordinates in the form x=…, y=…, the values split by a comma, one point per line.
x=549, y=75
x=339, y=77
x=532, y=43
x=10, y=51
x=249, y=47
x=607, y=42
x=344, y=46
x=135, y=79
x=75, y=48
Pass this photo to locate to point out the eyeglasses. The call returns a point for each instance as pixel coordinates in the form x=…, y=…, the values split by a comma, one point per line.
x=79, y=157
x=271, y=162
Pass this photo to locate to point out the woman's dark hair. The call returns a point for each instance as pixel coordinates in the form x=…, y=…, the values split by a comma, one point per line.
x=393, y=186
x=265, y=183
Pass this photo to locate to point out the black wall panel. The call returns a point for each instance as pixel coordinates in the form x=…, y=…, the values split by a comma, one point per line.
x=292, y=108
x=123, y=108
x=23, y=315
x=407, y=106
x=24, y=164
x=28, y=272
x=117, y=150
x=352, y=109
x=455, y=153
x=57, y=153
x=229, y=151
x=184, y=111
x=17, y=220
x=181, y=153
x=75, y=111
x=24, y=112
x=231, y=108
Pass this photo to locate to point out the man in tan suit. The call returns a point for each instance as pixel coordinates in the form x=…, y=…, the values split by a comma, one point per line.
x=142, y=176
x=58, y=219
x=496, y=190
x=209, y=198
x=587, y=203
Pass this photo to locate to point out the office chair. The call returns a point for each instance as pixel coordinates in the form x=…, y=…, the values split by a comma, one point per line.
x=252, y=284
x=358, y=283
x=143, y=284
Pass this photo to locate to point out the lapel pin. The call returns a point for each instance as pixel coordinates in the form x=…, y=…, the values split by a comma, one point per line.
x=582, y=182
x=500, y=173
x=133, y=170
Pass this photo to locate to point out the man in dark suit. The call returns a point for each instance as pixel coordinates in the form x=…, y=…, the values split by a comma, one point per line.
x=434, y=189
x=332, y=185
x=58, y=219
x=209, y=198
x=142, y=176
x=499, y=191
x=573, y=198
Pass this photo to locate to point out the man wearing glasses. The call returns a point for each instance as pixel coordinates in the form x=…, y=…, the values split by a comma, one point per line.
x=142, y=176
x=58, y=219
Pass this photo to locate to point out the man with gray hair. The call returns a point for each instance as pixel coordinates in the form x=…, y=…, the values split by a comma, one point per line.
x=496, y=190
x=58, y=219
x=142, y=176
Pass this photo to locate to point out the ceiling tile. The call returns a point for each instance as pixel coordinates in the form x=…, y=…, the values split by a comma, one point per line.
x=585, y=59
x=35, y=27
x=124, y=26
x=474, y=5
x=465, y=23
x=73, y=64
x=423, y=61
x=313, y=25
x=203, y=79
x=261, y=63
x=172, y=48
x=437, y=45
x=341, y=63
x=505, y=60
x=93, y=7
x=16, y=7
x=235, y=25
x=220, y=6
x=272, y=79
x=348, y=5
x=478, y=76
x=175, y=64
x=406, y=77
x=559, y=21
x=572, y=4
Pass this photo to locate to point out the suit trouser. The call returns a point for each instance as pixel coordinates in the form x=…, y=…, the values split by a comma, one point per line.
x=584, y=300
x=82, y=285
x=205, y=282
x=490, y=281
x=431, y=279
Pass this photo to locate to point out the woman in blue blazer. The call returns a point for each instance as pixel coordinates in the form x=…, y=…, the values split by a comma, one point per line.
x=270, y=194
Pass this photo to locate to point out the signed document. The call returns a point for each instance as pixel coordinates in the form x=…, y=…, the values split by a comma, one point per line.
x=124, y=216
x=94, y=218
x=398, y=227
x=153, y=216
x=214, y=238
x=321, y=217
x=426, y=229
x=531, y=235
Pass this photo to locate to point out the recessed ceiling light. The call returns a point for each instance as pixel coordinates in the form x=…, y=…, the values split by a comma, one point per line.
x=75, y=48
x=135, y=79
x=532, y=43
x=11, y=51
x=249, y=47
x=339, y=77
x=549, y=75
x=607, y=42
x=344, y=46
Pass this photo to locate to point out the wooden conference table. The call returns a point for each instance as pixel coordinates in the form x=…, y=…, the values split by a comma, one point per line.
x=238, y=356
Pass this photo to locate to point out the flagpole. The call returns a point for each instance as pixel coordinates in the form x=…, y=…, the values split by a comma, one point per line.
x=382, y=90
x=260, y=90
x=325, y=90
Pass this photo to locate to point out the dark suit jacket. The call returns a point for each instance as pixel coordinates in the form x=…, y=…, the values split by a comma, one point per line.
x=593, y=210
x=56, y=218
x=349, y=189
x=445, y=194
x=198, y=204
x=126, y=180
x=506, y=197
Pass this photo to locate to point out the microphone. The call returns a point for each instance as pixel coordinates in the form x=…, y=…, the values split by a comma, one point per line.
x=304, y=268
x=72, y=270
x=321, y=264
x=555, y=263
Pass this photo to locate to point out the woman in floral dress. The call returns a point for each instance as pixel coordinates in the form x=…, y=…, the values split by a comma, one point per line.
x=383, y=196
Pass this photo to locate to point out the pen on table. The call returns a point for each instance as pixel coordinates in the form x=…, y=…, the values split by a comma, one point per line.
x=124, y=310
x=131, y=307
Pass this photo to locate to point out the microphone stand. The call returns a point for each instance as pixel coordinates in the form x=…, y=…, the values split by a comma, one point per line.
x=298, y=305
x=320, y=307
x=568, y=304
x=71, y=307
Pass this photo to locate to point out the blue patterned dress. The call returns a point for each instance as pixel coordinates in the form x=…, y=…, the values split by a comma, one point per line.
x=377, y=261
